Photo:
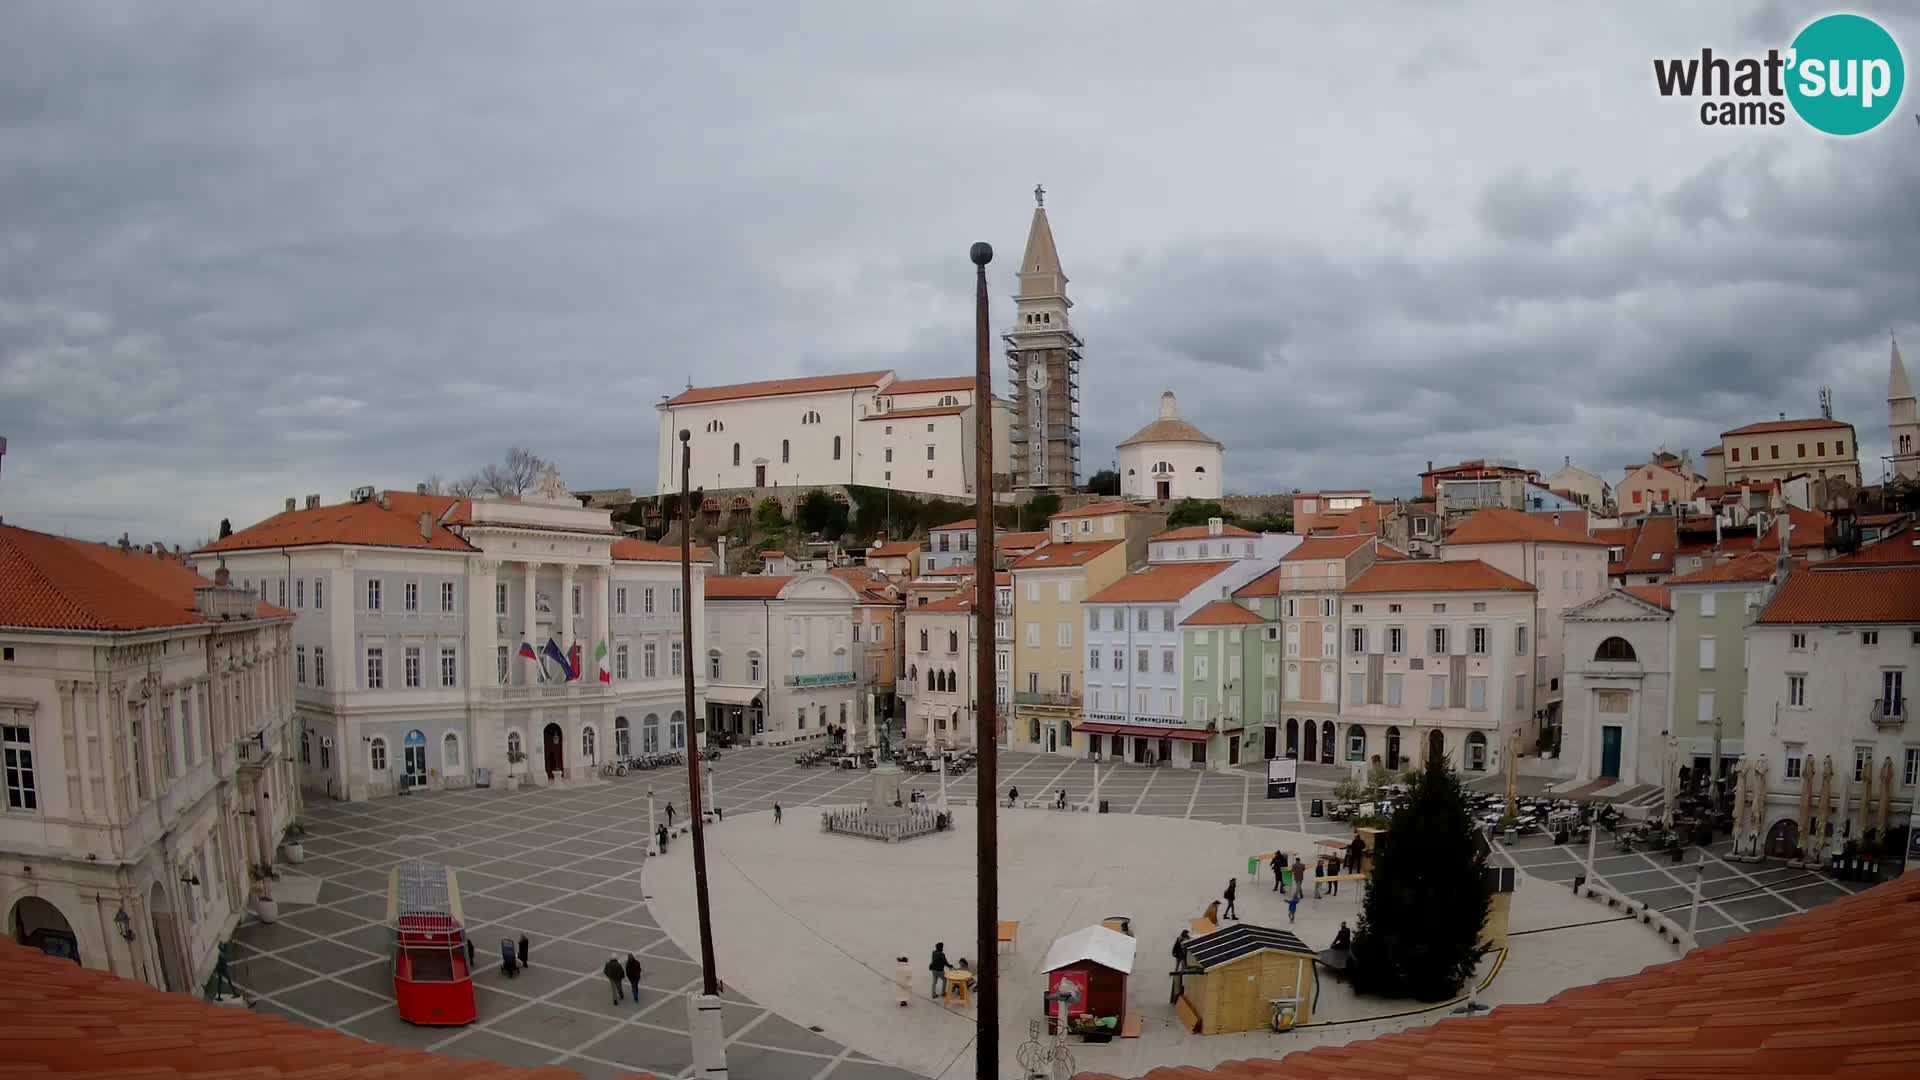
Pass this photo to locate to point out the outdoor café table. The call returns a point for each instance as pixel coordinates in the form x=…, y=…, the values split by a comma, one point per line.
x=959, y=985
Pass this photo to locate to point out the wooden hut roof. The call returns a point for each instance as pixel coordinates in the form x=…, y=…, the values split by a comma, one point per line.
x=1239, y=940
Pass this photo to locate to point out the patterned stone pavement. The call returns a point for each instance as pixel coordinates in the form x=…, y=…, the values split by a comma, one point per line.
x=565, y=867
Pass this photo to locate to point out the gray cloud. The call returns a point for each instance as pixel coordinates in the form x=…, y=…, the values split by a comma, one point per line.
x=253, y=255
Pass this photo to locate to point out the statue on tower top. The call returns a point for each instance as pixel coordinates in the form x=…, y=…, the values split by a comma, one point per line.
x=1039, y=195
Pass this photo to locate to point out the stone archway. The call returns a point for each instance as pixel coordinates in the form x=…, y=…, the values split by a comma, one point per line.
x=166, y=939
x=553, y=745
x=37, y=924
x=1783, y=840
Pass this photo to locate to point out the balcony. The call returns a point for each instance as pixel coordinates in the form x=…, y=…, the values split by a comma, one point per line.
x=1887, y=714
x=553, y=691
x=830, y=678
x=1050, y=699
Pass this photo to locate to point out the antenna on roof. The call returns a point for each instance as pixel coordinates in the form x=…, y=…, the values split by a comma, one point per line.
x=1826, y=403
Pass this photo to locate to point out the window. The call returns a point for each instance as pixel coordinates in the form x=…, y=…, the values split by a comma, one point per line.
x=299, y=592
x=373, y=594
x=1166, y=661
x=16, y=747
x=500, y=660
x=1093, y=659
x=1200, y=666
x=1478, y=605
x=1437, y=691
x=713, y=666
x=1357, y=639
x=1840, y=446
x=376, y=668
x=1439, y=609
x=1063, y=632
x=649, y=661
x=1356, y=687
x=1773, y=451
x=753, y=667
x=377, y=754
x=450, y=751
x=786, y=451
x=587, y=741
x=836, y=448
x=411, y=593
x=412, y=665
x=300, y=665
x=1326, y=608
x=929, y=451
x=500, y=598
x=1396, y=641
x=446, y=596
x=1064, y=591
x=1707, y=605
x=1033, y=634
x=1797, y=641
x=1869, y=637
x=449, y=666
x=1706, y=710
x=1520, y=640
x=1093, y=619
x=1479, y=641
x=1033, y=683
x=1394, y=687
x=1291, y=609
x=1439, y=641
x=924, y=634
x=1796, y=759
x=1477, y=693
x=620, y=600
x=1893, y=692
x=1166, y=620
x=1707, y=653
x=1066, y=682
x=282, y=583
x=1199, y=710
x=574, y=602
x=319, y=665
x=1862, y=761
x=1616, y=649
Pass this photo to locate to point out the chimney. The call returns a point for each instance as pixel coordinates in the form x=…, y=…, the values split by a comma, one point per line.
x=1214, y=526
x=426, y=525
x=1783, y=416
x=1567, y=461
x=419, y=489
x=290, y=504
x=313, y=502
x=381, y=499
x=1429, y=464
x=722, y=553
x=1717, y=515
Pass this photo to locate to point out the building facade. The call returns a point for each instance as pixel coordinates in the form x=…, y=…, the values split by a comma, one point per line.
x=1171, y=459
x=1712, y=610
x=1048, y=587
x=1657, y=485
x=1821, y=447
x=1618, y=686
x=780, y=664
x=1043, y=359
x=943, y=670
x=146, y=722
x=414, y=618
x=1587, y=488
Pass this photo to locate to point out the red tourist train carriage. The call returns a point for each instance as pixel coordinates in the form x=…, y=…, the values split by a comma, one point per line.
x=432, y=980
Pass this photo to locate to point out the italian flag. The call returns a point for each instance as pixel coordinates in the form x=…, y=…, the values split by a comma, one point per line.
x=600, y=656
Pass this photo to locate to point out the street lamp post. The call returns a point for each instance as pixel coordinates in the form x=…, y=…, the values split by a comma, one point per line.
x=986, y=1065
x=703, y=1009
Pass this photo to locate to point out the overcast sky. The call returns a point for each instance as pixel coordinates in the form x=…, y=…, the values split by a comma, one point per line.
x=252, y=251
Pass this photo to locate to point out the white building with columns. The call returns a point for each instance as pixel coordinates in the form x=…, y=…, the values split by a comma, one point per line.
x=144, y=717
x=410, y=613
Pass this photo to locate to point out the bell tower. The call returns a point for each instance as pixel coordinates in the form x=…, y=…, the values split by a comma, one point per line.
x=1903, y=424
x=1043, y=360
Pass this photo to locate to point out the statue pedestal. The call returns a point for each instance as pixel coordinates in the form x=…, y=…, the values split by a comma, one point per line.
x=888, y=790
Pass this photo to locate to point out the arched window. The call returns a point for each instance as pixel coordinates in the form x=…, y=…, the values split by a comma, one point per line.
x=1200, y=468
x=377, y=754
x=677, y=730
x=650, y=734
x=736, y=453
x=923, y=639
x=1356, y=743
x=450, y=752
x=786, y=451
x=622, y=738
x=953, y=641
x=1615, y=648
x=836, y=448
x=587, y=741
x=513, y=744
x=1477, y=752
x=1033, y=730
x=306, y=746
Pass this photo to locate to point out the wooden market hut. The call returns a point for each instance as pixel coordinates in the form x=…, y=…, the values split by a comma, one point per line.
x=1236, y=973
x=1097, y=961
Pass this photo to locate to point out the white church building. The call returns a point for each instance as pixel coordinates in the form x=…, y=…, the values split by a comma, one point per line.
x=1171, y=459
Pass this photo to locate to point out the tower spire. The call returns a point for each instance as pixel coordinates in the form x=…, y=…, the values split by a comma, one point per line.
x=1897, y=385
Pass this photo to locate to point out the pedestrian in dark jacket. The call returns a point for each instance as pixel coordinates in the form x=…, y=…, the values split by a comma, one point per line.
x=1013, y=796
x=614, y=973
x=669, y=815
x=509, y=963
x=660, y=834
x=1232, y=883
x=776, y=813
x=1279, y=864
x=524, y=962
x=938, y=965
x=469, y=954
x=633, y=976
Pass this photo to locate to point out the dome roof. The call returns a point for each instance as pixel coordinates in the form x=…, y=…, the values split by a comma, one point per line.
x=1169, y=428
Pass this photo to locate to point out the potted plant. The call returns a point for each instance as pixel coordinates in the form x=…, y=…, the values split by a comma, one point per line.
x=264, y=906
x=291, y=849
x=514, y=757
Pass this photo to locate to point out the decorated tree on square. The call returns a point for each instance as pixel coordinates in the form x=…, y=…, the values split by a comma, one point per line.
x=1427, y=896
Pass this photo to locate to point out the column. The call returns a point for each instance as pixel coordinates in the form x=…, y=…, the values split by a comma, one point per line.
x=483, y=629
x=602, y=609
x=565, y=610
x=529, y=620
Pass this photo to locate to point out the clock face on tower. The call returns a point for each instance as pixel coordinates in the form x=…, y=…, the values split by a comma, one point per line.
x=1037, y=375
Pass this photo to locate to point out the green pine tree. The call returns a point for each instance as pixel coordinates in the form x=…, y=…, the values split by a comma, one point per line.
x=1427, y=897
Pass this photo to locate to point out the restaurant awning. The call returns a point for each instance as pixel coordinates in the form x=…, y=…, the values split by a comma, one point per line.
x=1144, y=731
x=734, y=695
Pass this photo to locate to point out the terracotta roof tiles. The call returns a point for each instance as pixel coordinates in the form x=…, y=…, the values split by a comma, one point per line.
x=746, y=586
x=1495, y=525
x=1159, y=583
x=951, y=385
x=1898, y=548
x=52, y=582
x=1657, y=595
x=896, y=549
x=1887, y=595
x=1020, y=541
x=1751, y=566
x=1817, y=423
x=1267, y=584
x=1327, y=547
x=1826, y=993
x=1431, y=575
x=1807, y=529
x=634, y=550
x=911, y=414
x=1202, y=532
x=1048, y=556
x=1655, y=546
x=814, y=384
x=1101, y=509
x=1221, y=613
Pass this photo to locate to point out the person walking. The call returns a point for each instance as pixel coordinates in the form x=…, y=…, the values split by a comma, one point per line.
x=776, y=813
x=1293, y=904
x=524, y=962
x=1179, y=966
x=1356, y=852
x=1299, y=875
x=1232, y=884
x=1333, y=876
x=1013, y=796
x=633, y=976
x=1279, y=865
x=938, y=965
x=669, y=815
x=469, y=955
x=660, y=834
x=615, y=973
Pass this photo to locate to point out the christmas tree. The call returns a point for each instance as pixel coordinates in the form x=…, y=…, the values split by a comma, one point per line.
x=1427, y=897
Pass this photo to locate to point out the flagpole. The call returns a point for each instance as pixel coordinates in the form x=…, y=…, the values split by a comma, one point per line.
x=986, y=718
x=703, y=1010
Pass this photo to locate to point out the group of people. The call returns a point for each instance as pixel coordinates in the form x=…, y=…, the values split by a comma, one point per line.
x=513, y=955
x=616, y=972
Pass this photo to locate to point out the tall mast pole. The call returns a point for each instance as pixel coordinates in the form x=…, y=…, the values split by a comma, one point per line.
x=710, y=980
x=986, y=699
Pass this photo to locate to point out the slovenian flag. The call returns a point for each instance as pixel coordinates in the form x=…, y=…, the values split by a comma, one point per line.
x=573, y=663
x=600, y=658
x=552, y=652
x=526, y=651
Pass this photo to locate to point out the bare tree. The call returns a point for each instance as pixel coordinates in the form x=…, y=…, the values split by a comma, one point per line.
x=516, y=476
x=466, y=487
x=433, y=485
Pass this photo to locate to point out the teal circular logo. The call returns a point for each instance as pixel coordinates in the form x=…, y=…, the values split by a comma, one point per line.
x=1845, y=74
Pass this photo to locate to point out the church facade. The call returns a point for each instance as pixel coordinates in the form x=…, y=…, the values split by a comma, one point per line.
x=1171, y=459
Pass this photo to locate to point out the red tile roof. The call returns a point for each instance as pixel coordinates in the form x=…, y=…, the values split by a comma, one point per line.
x=51, y=582
x=1712, y=451
x=1056, y=555
x=1221, y=613
x=1388, y=553
x=1159, y=583
x=1202, y=532
x=969, y=524
x=1787, y=425
x=1809, y=530
x=896, y=549
x=61, y=1020
x=1327, y=547
x=950, y=385
x=1267, y=584
x=1750, y=566
x=1657, y=595
x=746, y=586
x=363, y=524
x=961, y=601
x=1431, y=575
x=773, y=553
x=1889, y=595
x=814, y=384
x=1499, y=526
x=909, y=414
x=1100, y=509
x=1826, y=993
x=1363, y=518
x=1020, y=541
x=1653, y=550
x=1898, y=548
